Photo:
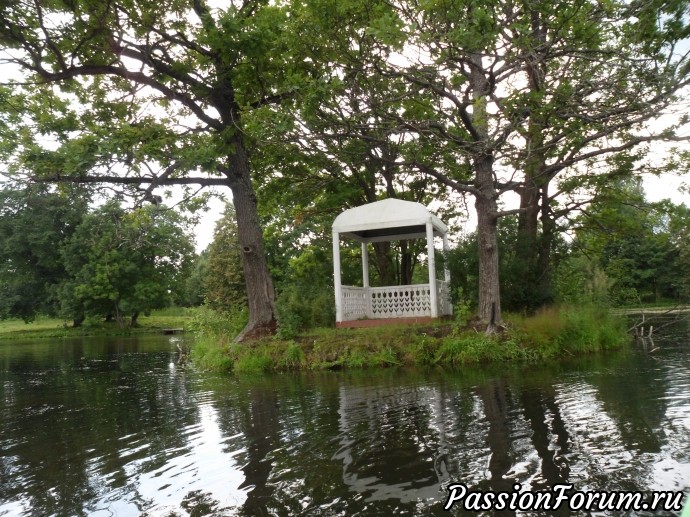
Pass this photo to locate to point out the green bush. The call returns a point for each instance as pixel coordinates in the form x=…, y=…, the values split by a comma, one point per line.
x=568, y=329
x=305, y=294
x=300, y=307
x=214, y=331
x=209, y=322
x=293, y=357
x=587, y=329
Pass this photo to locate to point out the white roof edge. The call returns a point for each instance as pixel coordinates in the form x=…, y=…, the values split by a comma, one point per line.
x=388, y=213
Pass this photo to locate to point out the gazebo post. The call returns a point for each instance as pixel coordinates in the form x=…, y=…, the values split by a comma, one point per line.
x=337, y=281
x=433, y=294
x=365, y=265
x=365, y=277
x=446, y=250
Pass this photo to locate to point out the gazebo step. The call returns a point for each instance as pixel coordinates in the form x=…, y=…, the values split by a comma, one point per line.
x=384, y=321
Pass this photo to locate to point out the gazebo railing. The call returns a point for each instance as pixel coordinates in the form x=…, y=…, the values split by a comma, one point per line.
x=354, y=300
x=400, y=301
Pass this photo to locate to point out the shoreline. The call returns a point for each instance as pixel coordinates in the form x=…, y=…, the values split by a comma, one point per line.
x=55, y=328
x=550, y=334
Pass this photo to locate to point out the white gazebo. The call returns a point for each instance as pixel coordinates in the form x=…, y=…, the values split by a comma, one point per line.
x=388, y=220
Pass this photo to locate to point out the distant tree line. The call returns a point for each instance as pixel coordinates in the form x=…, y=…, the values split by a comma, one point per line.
x=61, y=257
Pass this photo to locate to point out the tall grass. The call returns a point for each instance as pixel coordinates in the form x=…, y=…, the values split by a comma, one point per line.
x=569, y=329
x=215, y=331
x=551, y=333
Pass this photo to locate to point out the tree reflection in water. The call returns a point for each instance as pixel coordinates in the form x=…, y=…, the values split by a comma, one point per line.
x=114, y=429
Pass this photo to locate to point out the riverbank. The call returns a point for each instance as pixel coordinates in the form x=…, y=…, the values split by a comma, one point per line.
x=43, y=327
x=550, y=334
x=652, y=310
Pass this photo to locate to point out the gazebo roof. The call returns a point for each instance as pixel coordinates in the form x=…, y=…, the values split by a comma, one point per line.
x=387, y=220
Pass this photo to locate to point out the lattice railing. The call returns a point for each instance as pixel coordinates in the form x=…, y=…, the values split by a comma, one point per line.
x=445, y=304
x=400, y=301
x=355, y=303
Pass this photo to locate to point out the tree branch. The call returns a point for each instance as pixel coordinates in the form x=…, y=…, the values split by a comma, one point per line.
x=162, y=180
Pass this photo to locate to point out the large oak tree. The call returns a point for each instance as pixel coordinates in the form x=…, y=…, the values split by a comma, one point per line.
x=147, y=95
x=532, y=97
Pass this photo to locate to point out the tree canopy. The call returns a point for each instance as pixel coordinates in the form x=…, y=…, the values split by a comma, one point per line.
x=60, y=257
x=306, y=107
x=125, y=262
x=34, y=223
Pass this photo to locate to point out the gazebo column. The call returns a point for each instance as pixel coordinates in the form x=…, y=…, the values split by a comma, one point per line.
x=446, y=250
x=337, y=281
x=433, y=294
x=365, y=277
x=446, y=276
x=365, y=265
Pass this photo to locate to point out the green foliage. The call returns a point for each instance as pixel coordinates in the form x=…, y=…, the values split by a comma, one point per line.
x=222, y=326
x=305, y=298
x=293, y=356
x=223, y=280
x=589, y=328
x=580, y=280
x=123, y=262
x=520, y=290
x=562, y=331
x=252, y=364
x=627, y=251
x=34, y=223
x=214, y=331
x=208, y=353
x=312, y=100
x=46, y=327
x=472, y=347
x=541, y=329
x=462, y=307
x=194, y=293
x=551, y=333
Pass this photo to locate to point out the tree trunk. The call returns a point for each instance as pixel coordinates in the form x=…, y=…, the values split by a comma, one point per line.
x=528, y=243
x=528, y=226
x=546, y=243
x=77, y=321
x=384, y=262
x=260, y=291
x=406, y=263
x=485, y=203
x=118, y=315
x=526, y=267
x=489, y=288
x=133, y=322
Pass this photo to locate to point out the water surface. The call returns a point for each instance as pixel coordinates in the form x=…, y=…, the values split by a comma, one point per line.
x=116, y=427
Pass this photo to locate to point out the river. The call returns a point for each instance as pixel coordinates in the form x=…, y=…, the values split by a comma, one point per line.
x=115, y=427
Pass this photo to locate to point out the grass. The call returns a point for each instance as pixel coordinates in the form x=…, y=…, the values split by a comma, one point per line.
x=44, y=327
x=553, y=333
x=550, y=334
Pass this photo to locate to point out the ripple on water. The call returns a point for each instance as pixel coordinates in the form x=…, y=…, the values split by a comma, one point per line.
x=141, y=437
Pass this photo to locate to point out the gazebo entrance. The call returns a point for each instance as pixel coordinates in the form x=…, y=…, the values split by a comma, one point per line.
x=388, y=220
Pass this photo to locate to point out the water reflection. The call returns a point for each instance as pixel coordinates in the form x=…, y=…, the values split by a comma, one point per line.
x=118, y=428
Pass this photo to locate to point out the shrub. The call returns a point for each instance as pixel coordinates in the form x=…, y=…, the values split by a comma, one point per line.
x=210, y=322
